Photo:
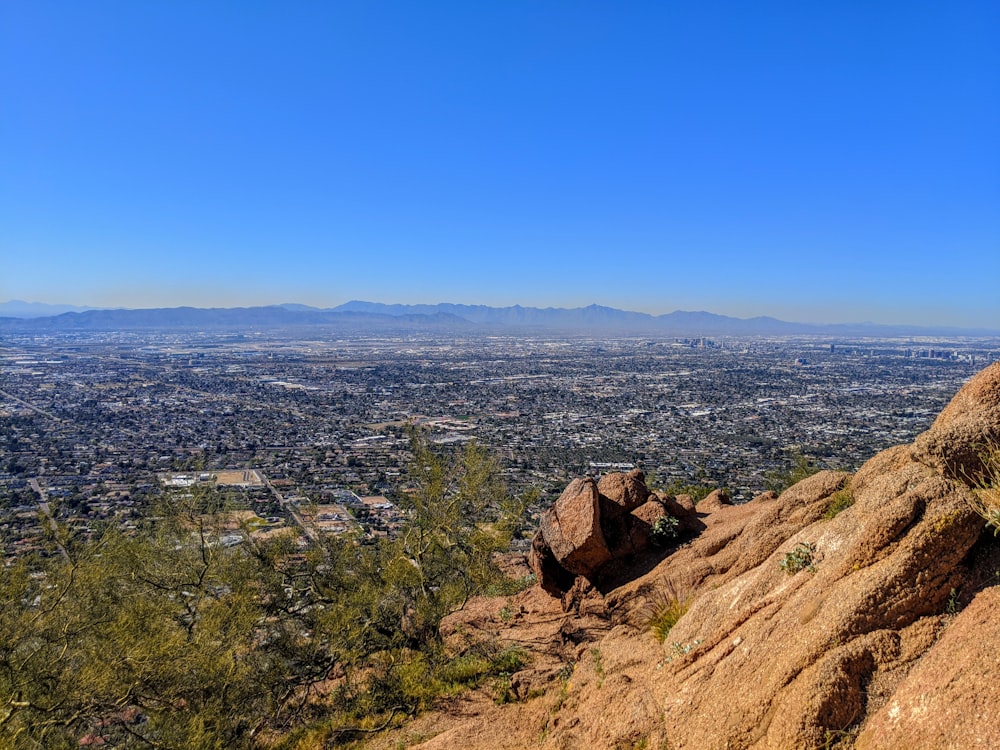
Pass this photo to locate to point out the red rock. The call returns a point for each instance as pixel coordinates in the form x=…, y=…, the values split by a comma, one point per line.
x=572, y=529
x=551, y=576
x=970, y=423
x=716, y=499
x=625, y=491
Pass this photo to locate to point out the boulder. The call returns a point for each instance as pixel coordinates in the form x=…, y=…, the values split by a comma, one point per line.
x=572, y=529
x=714, y=501
x=642, y=520
x=551, y=576
x=626, y=492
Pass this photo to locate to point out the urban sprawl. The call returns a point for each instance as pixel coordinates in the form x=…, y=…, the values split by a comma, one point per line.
x=314, y=435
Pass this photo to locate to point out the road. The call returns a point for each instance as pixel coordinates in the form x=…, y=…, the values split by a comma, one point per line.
x=309, y=531
x=43, y=505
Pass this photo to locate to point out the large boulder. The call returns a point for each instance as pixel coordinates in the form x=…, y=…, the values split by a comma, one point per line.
x=622, y=492
x=594, y=523
x=572, y=529
x=551, y=576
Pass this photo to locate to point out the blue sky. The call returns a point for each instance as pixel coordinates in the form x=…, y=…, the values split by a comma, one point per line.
x=832, y=162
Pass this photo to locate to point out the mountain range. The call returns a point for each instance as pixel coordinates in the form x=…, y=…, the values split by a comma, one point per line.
x=359, y=316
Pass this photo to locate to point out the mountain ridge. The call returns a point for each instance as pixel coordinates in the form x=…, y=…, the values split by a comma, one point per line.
x=359, y=314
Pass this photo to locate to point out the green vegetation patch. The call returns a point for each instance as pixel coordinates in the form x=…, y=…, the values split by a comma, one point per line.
x=258, y=644
x=800, y=558
x=839, y=501
x=802, y=467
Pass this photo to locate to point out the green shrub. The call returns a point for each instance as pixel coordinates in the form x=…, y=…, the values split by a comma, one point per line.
x=665, y=530
x=465, y=669
x=839, y=501
x=986, y=486
x=802, y=467
x=800, y=558
x=511, y=659
x=697, y=492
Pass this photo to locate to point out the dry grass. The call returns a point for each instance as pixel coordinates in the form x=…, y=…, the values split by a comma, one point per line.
x=664, y=606
x=986, y=487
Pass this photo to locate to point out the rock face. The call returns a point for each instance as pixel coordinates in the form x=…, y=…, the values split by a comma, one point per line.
x=876, y=626
x=954, y=443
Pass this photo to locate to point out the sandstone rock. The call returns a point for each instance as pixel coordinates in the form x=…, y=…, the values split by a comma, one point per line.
x=880, y=566
x=650, y=512
x=686, y=502
x=625, y=491
x=955, y=442
x=714, y=501
x=641, y=521
x=950, y=698
x=572, y=529
x=682, y=508
x=859, y=642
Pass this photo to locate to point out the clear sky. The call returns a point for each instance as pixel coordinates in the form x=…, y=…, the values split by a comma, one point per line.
x=816, y=161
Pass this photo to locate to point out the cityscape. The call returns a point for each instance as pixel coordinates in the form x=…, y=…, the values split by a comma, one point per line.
x=312, y=432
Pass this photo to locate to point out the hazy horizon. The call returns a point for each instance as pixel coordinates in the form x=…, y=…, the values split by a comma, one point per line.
x=830, y=164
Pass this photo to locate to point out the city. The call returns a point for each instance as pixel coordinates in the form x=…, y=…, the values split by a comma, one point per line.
x=314, y=432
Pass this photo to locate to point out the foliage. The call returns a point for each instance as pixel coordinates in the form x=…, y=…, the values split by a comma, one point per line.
x=840, y=500
x=664, y=607
x=665, y=530
x=697, y=492
x=170, y=638
x=801, y=467
x=985, y=498
x=800, y=558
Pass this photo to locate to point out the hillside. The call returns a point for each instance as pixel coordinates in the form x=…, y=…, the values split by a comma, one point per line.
x=850, y=611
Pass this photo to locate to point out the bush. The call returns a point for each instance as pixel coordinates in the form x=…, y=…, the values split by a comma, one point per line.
x=839, y=501
x=664, y=608
x=665, y=530
x=986, y=486
x=800, y=558
x=217, y=646
x=802, y=467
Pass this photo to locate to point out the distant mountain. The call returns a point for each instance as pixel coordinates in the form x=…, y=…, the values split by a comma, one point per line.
x=228, y=319
x=359, y=316
x=16, y=308
x=678, y=323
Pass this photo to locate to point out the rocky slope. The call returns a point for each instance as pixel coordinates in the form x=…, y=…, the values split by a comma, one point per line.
x=850, y=611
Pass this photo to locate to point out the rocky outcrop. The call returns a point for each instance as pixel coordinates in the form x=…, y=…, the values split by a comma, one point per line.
x=949, y=699
x=595, y=523
x=847, y=612
x=572, y=532
x=954, y=444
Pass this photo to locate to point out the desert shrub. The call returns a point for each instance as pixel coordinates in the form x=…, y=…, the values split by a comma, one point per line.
x=800, y=558
x=664, y=607
x=697, y=492
x=840, y=500
x=665, y=530
x=217, y=646
x=510, y=659
x=985, y=499
x=802, y=467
